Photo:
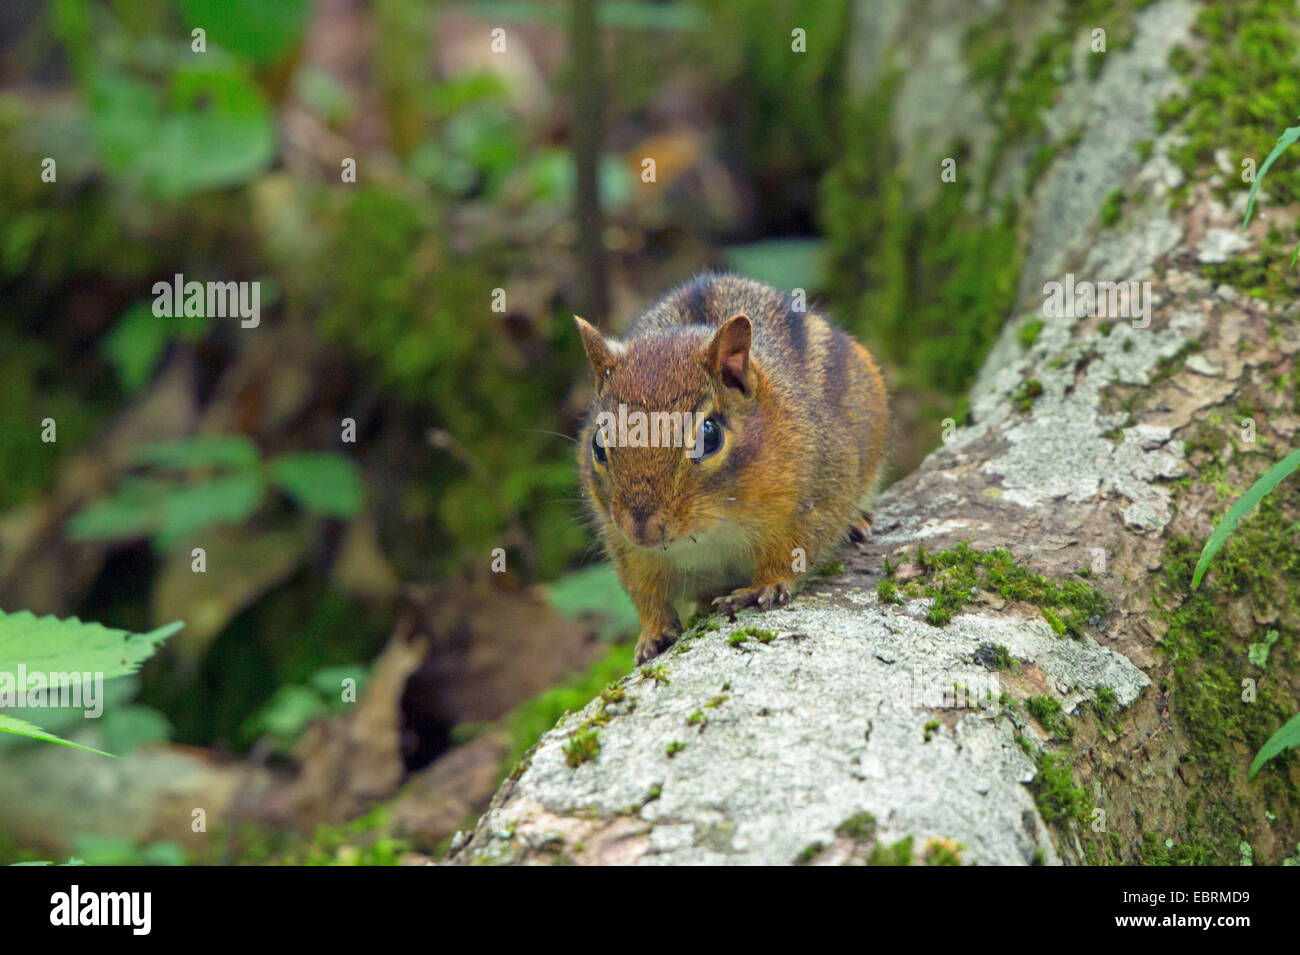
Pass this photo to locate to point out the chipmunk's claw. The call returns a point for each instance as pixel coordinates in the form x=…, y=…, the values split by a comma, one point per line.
x=860, y=528
x=650, y=645
x=764, y=598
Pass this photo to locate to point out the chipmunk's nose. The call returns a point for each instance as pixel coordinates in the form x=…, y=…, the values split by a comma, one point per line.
x=642, y=524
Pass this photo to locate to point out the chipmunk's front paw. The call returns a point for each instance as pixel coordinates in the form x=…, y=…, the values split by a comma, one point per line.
x=764, y=598
x=652, y=643
x=860, y=529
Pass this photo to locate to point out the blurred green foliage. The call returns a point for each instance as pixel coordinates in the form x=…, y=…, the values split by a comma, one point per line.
x=595, y=590
x=197, y=483
x=295, y=705
x=172, y=122
x=783, y=111
x=927, y=287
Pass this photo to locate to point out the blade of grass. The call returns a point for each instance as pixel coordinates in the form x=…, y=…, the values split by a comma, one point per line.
x=1244, y=506
x=1284, y=738
x=1289, y=135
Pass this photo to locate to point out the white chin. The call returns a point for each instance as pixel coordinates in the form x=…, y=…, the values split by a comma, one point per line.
x=722, y=551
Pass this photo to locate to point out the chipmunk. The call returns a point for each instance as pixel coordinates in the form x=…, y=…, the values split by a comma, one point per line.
x=783, y=420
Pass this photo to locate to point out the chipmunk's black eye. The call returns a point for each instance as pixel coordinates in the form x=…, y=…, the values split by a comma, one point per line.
x=598, y=445
x=709, y=436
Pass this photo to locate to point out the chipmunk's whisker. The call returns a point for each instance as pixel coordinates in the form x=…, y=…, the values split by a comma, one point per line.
x=557, y=434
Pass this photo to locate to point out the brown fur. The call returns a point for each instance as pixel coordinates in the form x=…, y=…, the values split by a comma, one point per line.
x=805, y=421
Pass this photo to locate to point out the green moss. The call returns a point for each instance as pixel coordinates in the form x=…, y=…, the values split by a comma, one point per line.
x=1105, y=705
x=528, y=721
x=1181, y=60
x=657, y=672
x=1024, y=396
x=929, y=729
x=831, y=569
x=1266, y=274
x=746, y=633
x=697, y=718
x=1246, y=90
x=701, y=623
x=1111, y=209
x=1050, y=716
x=583, y=745
x=673, y=748
x=994, y=656
x=1205, y=438
x=1159, y=851
x=809, y=852
x=716, y=702
x=953, y=577
x=943, y=852
x=1029, y=79
x=1254, y=575
x=1058, y=799
x=899, y=853
x=1029, y=332
x=887, y=591
x=860, y=827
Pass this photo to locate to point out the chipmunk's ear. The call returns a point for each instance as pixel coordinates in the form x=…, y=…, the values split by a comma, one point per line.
x=600, y=352
x=728, y=354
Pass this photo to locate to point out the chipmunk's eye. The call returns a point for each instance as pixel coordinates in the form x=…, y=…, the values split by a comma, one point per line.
x=709, y=436
x=598, y=445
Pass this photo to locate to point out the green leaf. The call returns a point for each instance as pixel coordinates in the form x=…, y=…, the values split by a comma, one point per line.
x=129, y=727
x=329, y=681
x=134, y=511
x=137, y=341
x=595, y=590
x=1244, y=506
x=287, y=713
x=169, y=511
x=9, y=724
x=1287, y=737
x=211, y=130
x=218, y=451
x=222, y=500
x=61, y=648
x=1258, y=652
x=1289, y=136
x=263, y=31
x=320, y=481
x=55, y=646
x=134, y=346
